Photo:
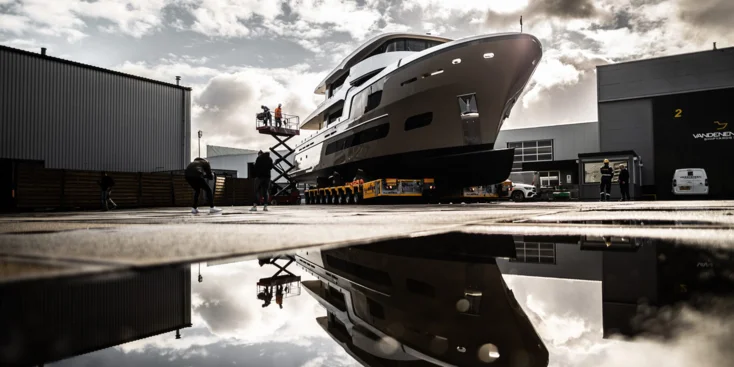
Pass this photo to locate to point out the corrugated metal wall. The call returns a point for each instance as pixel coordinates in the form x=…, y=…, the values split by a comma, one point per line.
x=666, y=75
x=64, y=317
x=79, y=117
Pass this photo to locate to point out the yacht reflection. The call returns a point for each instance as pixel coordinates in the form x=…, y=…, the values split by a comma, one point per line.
x=49, y=320
x=423, y=301
x=639, y=277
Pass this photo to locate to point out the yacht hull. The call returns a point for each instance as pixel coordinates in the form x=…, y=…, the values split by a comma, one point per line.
x=421, y=127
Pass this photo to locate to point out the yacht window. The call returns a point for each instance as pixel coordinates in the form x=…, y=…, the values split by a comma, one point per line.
x=395, y=45
x=364, y=136
x=358, y=103
x=337, y=84
x=418, y=287
x=335, y=116
x=376, y=309
x=418, y=121
x=415, y=45
x=373, y=100
x=365, y=78
x=373, y=275
x=430, y=44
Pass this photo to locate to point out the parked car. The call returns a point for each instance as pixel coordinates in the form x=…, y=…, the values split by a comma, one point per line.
x=690, y=181
x=520, y=192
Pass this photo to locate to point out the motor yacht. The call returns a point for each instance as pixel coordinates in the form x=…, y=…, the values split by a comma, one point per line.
x=442, y=303
x=416, y=106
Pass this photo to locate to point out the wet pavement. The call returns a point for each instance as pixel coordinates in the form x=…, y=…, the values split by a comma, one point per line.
x=531, y=284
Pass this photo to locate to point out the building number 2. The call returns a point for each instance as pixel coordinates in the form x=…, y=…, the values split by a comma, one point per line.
x=678, y=113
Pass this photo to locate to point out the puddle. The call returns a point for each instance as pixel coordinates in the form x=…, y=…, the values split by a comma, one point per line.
x=456, y=299
x=625, y=222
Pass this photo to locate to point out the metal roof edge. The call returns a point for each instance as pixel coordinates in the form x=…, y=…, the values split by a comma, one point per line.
x=87, y=66
x=725, y=49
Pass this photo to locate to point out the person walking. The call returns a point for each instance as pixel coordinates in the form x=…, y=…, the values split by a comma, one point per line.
x=624, y=183
x=106, y=184
x=197, y=172
x=263, y=166
x=607, y=173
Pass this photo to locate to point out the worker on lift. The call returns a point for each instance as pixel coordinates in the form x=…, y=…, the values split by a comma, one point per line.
x=607, y=173
x=265, y=115
x=278, y=116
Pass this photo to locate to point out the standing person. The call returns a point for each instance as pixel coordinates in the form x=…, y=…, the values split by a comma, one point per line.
x=106, y=184
x=278, y=116
x=196, y=174
x=279, y=296
x=607, y=173
x=624, y=183
x=263, y=166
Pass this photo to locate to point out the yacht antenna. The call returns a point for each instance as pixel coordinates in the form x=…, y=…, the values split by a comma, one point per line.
x=521, y=24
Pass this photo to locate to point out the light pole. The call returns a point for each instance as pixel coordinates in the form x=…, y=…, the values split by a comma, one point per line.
x=200, y=134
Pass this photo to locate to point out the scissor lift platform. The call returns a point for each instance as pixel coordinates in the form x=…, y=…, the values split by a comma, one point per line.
x=286, y=130
x=291, y=283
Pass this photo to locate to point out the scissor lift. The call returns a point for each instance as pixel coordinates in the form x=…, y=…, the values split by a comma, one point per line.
x=291, y=283
x=286, y=131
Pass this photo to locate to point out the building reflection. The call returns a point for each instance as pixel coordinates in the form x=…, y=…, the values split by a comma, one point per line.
x=423, y=301
x=49, y=320
x=639, y=277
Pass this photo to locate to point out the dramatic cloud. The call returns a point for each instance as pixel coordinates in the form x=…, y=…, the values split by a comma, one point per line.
x=69, y=18
x=237, y=55
x=567, y=314
x=226, y=107
x=231, y=328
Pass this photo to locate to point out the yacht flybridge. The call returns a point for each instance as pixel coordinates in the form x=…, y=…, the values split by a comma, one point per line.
x=405, y=105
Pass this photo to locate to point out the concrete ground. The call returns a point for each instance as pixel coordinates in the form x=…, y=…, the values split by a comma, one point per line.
x=55, y=244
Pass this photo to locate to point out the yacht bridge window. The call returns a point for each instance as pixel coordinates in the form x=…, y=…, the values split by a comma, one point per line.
x=405, y=44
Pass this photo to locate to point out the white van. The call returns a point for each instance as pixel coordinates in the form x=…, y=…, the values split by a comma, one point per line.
x=690, y=181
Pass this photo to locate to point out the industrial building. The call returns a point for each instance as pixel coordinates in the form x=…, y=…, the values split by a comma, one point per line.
x=47, y=320
x=655, y=116
x=68, y=115
x=551, y=150
x=674, y=112
x=241, y=161
x=629, y=271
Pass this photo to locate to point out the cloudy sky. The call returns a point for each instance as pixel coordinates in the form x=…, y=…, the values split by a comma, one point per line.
x=230, y=328
x=239, y=54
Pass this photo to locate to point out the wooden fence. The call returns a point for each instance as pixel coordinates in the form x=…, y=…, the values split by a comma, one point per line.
x=44, y=188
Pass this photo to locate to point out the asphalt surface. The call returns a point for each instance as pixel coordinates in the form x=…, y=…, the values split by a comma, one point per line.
x=57, y=244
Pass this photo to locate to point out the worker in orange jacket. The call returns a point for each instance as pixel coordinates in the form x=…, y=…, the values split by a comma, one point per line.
x=278, y=116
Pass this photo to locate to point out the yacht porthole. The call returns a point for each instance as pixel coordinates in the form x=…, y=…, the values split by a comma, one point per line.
x=456, y=61
x=489, y=55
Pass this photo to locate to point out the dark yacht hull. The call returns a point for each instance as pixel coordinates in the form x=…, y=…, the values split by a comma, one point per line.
x=452, y=168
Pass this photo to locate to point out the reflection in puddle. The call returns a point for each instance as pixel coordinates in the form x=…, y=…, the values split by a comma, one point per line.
x=454, y=299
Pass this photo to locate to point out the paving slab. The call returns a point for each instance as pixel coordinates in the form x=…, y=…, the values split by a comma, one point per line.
x=149, y=237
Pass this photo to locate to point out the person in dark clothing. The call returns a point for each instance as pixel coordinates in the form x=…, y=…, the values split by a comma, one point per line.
x=106, y=184
x=607, y=173
x=197, y=172
x=263, y=166
x=624, y=183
